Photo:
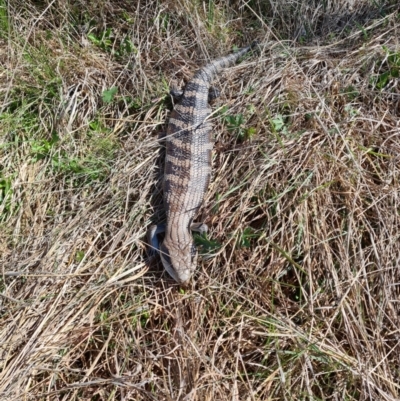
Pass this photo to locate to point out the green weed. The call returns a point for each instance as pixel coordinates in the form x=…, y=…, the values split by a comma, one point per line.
x=40, y=149
x=244, y=238
x=363, y=30
x=5, y=197
x=350, y=92
x=109, y=95
x=279, y=124
x=392, y=66
x=107, y=41
x=206, y=245
x=162, y=21
x=80, y=171
x=4, y=26
x=236, y=123
x=79, y=256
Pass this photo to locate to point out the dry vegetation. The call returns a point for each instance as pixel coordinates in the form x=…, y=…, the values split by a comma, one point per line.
x=296, y=296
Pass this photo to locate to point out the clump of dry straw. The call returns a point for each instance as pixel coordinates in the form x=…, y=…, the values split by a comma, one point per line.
x=296, y=295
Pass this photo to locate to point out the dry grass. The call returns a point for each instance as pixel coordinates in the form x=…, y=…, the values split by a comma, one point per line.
x=297, y=295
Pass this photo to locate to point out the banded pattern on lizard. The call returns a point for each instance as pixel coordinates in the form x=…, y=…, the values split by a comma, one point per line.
x=188, y=169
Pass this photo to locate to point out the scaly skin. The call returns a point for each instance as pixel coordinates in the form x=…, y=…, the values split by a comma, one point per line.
x=188, y=169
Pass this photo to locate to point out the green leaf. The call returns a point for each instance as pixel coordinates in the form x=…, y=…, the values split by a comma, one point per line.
x=109, y=94
x=277, y=123
x=94, y=39
x=79, y=256
x=382, y=80
x=207, y=245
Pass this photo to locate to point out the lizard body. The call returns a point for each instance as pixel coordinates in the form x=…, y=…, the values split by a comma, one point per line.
x=188, y=169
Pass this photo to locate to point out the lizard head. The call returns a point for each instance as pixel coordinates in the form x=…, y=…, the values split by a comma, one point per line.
x=179, y=260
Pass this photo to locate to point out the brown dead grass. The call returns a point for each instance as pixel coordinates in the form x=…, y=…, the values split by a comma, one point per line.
x=298, y=295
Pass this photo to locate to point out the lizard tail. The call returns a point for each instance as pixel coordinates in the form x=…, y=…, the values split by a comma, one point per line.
x=212, y=69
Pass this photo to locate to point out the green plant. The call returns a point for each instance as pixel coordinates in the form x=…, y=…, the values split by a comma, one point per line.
x=279, y=124
x=206, y=245
x=392, y=64
x=244, y=237
x=162, y=21
x=80, y=171
x=107, y=42
x=350, y=92
x=79, y=256
x=5, y=196
x=4, y=26
x=103, y=40
x=109, y=94
x=351, y=110
x=236, y=123
x=363, y=30
x=40, y=149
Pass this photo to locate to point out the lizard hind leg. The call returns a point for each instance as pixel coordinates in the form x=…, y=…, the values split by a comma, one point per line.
x=213, y=93
x=176, y=93
x=199, y=227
